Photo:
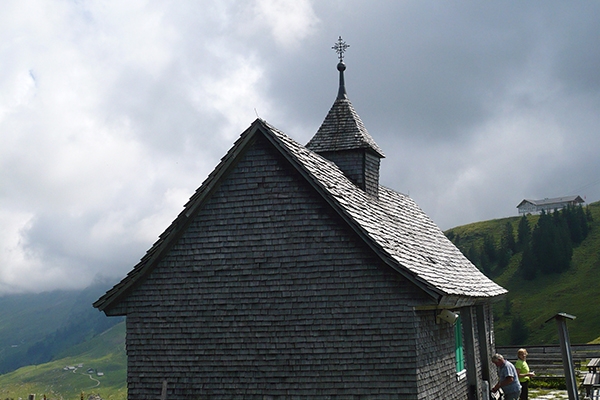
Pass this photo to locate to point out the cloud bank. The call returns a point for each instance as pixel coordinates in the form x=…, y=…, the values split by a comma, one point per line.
x=113, y=113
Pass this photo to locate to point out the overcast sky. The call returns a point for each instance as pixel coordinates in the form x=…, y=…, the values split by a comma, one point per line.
x=112, y=113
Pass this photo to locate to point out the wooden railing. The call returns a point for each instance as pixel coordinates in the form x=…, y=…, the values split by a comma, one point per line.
x=546, y=361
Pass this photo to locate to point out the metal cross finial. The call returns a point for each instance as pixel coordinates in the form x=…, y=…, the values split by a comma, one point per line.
x=340, y=48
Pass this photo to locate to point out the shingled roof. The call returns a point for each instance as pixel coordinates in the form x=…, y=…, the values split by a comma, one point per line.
x=392, y=225
x=341, y=130
x=396, y=227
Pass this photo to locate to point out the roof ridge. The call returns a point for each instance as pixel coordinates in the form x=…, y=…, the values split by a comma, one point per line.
x=393, y=225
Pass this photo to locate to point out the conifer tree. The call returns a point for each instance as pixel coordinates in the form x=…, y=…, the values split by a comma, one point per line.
x=523, y=233
x=551, y=244
x=588, y=214
x=562, y=243
x=583, y=222
x=503, y=260
x=485, y=264
x=542, y=243
x=571, y=216
x=507, y=240
x=528, y=264
x=489, y=248
x=507, y=246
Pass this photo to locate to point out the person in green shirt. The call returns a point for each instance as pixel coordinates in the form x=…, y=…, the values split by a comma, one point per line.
x=524, y=373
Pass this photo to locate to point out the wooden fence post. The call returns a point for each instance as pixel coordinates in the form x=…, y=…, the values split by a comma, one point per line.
x=565, y=349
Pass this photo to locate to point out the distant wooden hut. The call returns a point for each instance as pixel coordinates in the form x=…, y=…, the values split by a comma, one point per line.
x=291, y=273
x=549, y=205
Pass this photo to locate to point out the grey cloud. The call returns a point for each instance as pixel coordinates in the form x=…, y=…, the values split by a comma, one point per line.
x=476, y=105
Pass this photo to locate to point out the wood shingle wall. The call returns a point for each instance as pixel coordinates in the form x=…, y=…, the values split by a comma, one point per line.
x=360, y=166
x=266, y=295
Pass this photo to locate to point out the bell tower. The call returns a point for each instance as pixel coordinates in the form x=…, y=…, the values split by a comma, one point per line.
x=344, y=140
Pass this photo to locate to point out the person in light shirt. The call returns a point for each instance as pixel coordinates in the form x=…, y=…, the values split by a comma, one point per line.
x=508, y=379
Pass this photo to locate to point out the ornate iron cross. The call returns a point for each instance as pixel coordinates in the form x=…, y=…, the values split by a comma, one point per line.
x=340, y=48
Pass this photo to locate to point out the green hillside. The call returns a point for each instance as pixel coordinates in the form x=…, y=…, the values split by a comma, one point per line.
x=530, y=304
x=26, y=319
x=104, y=354
x=36, y=327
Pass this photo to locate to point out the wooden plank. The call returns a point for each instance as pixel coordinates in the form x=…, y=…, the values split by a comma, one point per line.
x=588, y=380
x=591, y=383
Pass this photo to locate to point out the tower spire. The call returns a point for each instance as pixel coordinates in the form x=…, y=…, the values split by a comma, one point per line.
x=344, y=140
x=340, y=48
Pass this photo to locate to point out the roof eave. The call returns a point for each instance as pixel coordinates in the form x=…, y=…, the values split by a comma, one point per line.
x=458, y=301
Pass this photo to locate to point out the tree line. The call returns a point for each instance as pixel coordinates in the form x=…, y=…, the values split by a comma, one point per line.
x=546, y=248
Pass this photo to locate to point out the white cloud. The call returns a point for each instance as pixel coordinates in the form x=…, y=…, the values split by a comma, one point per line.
x=12, y=253
x=104, y=142
x=289, y=21
x=233, y=96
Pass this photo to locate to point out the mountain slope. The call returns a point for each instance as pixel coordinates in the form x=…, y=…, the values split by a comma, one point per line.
x=26, y=319
x=529, y=304
x=35, y=328
x=104, y=354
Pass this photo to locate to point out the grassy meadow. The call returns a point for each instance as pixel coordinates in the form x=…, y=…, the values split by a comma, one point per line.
x=104, y=353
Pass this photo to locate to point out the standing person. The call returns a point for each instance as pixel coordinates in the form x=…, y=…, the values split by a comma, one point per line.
x=508, y=379
x=523, y=373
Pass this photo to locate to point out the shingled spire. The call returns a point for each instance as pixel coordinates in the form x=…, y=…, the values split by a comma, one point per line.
x=344, y=140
